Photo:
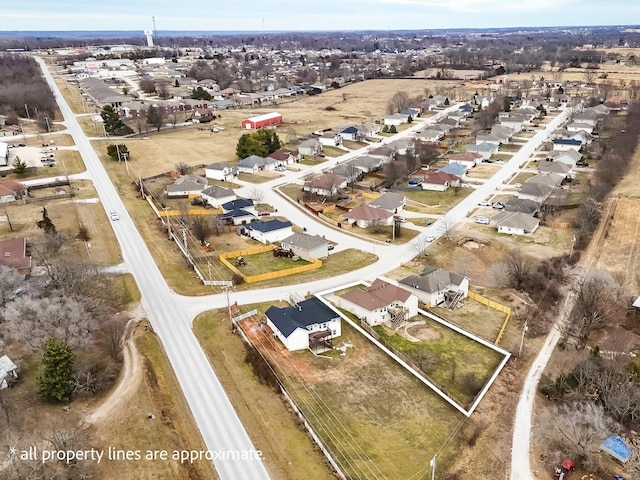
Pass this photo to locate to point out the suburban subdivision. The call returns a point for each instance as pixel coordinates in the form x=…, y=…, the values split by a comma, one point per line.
x=403, y=255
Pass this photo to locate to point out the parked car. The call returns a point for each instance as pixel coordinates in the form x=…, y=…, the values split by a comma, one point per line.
x=264, y=214
x=343, y=197
x=499, y=162
x=331, y=246
x=21, y=145
x=498, y=205
x=114, y=215
x=582, y=163
x=483, y=220
x=430, y=238
x=517, y=185
x=413, y=182
x=485, y=203
x=401, y=219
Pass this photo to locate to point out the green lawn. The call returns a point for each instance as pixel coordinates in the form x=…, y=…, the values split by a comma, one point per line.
x=258, y=177
x=265, y=262
x=458, y=364
x=353, y=145
x=330, y=151
x=438, y=202
x=510, y=147
x=306, y=160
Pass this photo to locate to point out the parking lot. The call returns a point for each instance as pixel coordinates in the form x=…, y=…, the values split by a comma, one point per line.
x=32, y=156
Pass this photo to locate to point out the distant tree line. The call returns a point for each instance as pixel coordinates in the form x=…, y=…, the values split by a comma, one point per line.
x=23, y=90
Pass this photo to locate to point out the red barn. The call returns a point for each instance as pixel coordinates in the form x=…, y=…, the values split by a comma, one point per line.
x=261, y=121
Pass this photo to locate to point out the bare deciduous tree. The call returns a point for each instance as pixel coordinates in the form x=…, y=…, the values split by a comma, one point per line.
x=517, y=267
x=598, y=302
x=398, y=102
x=201, y=228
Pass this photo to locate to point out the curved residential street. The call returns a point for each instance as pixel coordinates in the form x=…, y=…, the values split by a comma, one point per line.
x=171, y=314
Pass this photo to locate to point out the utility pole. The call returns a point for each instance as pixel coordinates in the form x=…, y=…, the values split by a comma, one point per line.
x=226, y=291
x=524, y=330
x=433, y=467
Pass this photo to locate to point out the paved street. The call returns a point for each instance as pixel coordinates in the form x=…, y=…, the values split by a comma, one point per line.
x=171, y=314
x=215, y=417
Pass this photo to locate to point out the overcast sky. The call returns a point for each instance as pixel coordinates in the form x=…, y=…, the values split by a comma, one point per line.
x=256, y=15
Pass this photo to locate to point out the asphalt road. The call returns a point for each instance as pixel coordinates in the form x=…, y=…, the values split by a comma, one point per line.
x=171, y=314
x=221, y=429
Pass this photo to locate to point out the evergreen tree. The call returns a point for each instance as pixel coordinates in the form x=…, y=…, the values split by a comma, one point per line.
x=57, y=370
x=121, y=149
x=393, y=129
x=46, y=224
x=19, y=167
x=261, y=143
x=201, y=94
x=112, y=123
x=507, y=104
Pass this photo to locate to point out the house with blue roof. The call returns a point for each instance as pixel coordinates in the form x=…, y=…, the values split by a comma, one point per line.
x=237, y=217
x=350, y=133
x=455, y=168
x=484, y=149
x=566, y=144
x=271, y=231
x=239, y=203
x=308, y=324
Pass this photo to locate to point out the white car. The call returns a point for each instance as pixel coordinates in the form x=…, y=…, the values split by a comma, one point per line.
x=431, y=238
x=485, y=203
x=114, y=215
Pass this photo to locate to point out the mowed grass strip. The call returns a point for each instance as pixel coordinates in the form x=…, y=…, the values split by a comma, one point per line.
x=173, y=428
x=274, y=429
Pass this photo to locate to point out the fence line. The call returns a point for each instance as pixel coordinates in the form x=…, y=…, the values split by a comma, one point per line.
x=370, y=195
x=312, y=265
x=496, y=306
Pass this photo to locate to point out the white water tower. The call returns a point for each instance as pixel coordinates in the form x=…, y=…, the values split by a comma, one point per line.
x=149, y=35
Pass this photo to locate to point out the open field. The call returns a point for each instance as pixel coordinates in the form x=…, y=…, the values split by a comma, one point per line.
x=67, y=214
x=620, y=252
x=385, y=410
x=274, y=429
x=365, y=101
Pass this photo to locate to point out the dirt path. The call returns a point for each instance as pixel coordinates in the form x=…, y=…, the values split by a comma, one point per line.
x=130, y=376
x=521, y=442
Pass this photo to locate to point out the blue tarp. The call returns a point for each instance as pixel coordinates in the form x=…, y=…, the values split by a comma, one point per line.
x=617, y=448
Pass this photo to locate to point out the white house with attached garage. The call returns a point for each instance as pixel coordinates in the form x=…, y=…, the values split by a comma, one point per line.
x=269, y=232
x=308, y=324
x=221, y=171
x=216, y=195
x=306, y=246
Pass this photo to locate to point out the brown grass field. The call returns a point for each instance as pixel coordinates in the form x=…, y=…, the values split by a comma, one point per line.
x=196, y=144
